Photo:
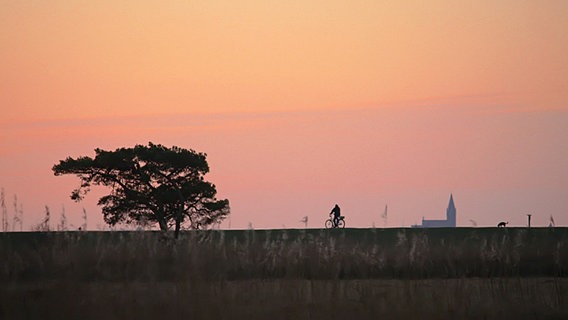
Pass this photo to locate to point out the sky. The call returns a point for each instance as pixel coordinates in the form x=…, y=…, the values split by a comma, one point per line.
x=299, y=105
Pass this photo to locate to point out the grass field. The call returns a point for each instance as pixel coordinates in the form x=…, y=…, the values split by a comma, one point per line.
x=474, y=273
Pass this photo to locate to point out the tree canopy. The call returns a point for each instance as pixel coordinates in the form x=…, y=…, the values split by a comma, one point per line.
x=151, y=184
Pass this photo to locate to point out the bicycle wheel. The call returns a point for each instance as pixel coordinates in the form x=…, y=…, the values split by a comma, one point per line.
x=341, y=223
x=328, y=224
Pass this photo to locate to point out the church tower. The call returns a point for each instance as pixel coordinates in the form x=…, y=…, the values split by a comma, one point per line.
x=451, y=213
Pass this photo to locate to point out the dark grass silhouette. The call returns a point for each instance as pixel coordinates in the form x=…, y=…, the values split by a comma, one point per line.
x=305, y=274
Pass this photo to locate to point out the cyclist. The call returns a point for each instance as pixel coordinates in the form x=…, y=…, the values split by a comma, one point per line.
x=336, y=211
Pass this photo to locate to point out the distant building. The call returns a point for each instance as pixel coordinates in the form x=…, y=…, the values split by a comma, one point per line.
x=450, y=221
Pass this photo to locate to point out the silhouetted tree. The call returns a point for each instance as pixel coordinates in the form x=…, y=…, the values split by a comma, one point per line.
x=149, y=183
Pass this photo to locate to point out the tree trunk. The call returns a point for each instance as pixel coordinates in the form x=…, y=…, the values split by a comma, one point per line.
x=179, y=216
x=161, y=221
x=163, y=224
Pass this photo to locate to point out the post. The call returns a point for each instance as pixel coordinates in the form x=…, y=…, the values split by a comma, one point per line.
x=529, y=218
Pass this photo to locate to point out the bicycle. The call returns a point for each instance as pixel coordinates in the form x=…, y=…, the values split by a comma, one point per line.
x=330, y=223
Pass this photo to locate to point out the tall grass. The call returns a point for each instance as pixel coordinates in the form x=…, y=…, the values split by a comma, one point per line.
x=396, y=273
x=498, y=298
x=300, y=254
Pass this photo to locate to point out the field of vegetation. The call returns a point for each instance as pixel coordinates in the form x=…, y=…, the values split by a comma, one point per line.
x=473, y=273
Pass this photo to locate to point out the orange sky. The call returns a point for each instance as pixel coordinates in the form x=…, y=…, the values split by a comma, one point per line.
x=299, y=104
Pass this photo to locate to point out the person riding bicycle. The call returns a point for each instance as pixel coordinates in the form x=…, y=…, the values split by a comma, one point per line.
x=336, y=211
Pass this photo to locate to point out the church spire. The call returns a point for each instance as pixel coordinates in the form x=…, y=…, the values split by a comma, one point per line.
x=451, y=204
x=451, y=212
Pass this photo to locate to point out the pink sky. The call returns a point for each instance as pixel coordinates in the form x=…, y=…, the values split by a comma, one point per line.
x=298, y=104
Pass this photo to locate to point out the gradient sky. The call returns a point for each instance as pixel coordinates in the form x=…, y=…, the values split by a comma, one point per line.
x=298, y=104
